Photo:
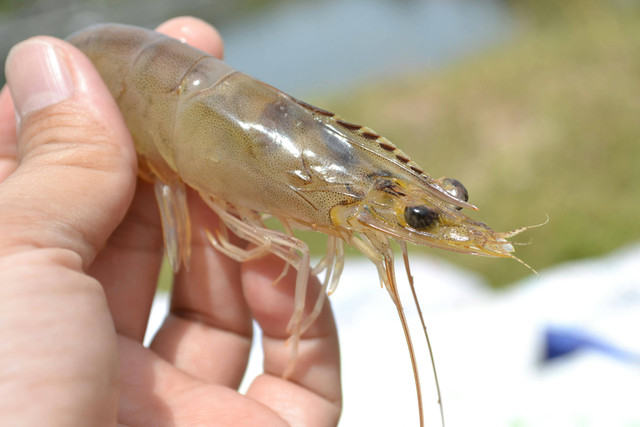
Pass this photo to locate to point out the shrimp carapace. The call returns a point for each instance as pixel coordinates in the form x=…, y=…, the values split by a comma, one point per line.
x=252, y=151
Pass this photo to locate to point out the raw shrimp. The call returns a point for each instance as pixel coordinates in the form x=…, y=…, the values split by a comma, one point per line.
x=252, y=151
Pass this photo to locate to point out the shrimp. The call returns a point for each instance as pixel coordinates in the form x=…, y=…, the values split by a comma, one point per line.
x=197, y=122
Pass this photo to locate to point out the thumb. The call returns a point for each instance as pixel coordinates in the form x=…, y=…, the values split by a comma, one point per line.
x=77, y=167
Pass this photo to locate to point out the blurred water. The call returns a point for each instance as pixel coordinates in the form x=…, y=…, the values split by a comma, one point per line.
x=302, y=47
x=323, y=46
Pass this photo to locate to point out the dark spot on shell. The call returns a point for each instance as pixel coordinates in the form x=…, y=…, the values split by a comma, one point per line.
x=273, y=114
x=341, y=150
x=416, y=170
x=387, y=147
x=348, y=125
x=370, y=135
x=275, y=110
x=403, y=159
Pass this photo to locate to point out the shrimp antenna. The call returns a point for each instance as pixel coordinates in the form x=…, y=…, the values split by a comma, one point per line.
x=517, y=231
x=533, y=270
x=407, y=335
x=405, y=257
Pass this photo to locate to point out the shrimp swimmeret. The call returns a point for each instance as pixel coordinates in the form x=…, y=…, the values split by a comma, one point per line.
x=198, y=122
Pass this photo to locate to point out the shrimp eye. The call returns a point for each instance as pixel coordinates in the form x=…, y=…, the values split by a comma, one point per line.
x=420, y=217
x=456, y=189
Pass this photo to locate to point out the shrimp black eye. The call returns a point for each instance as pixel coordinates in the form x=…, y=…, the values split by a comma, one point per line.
x=456, y=189
x=420, y=217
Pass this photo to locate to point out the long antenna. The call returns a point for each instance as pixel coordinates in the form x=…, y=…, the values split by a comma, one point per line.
x=407, y=336
x=405, y=256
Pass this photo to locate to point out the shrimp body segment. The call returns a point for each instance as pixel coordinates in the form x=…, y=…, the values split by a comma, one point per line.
x=251, y=150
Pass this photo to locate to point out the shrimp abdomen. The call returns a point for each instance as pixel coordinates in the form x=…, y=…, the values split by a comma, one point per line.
x=147, y=72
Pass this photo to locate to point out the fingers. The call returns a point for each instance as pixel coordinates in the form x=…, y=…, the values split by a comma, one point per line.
x=195, y=32
x=72, y=185
x=58, y=355
x=203, y=348
x=128, y=266
x=208, y=333
x=8, y=138
x=314, y=386
x=179, y=399
x=77, y=167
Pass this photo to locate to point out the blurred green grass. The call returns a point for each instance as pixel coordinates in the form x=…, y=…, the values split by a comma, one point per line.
x=547, y=124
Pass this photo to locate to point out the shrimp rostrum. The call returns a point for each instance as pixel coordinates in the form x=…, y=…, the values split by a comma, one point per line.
x=252, y=151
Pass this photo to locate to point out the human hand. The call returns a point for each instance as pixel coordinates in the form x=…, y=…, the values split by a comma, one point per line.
x=80, y=250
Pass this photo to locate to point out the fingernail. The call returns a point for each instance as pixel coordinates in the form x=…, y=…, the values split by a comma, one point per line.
x=37, y=76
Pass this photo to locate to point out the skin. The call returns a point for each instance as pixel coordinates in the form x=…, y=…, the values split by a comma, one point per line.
x=80, y=250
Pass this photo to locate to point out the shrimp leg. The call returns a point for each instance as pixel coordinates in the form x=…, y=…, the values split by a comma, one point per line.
x=176, y=228
x=290, y=249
